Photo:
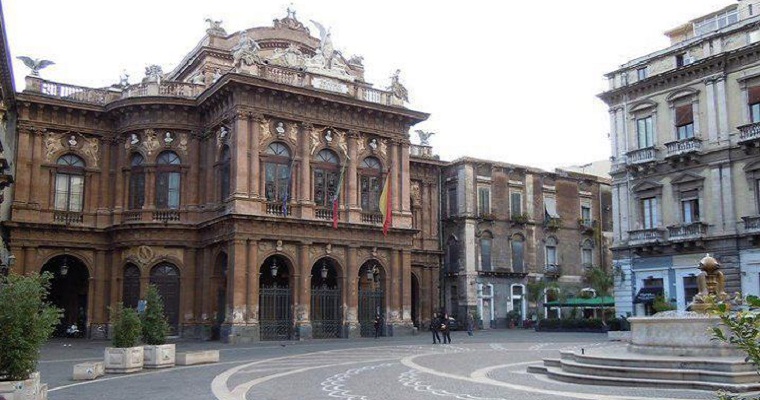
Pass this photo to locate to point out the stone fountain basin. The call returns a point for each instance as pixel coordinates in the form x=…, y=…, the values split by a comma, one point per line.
x=678, y=333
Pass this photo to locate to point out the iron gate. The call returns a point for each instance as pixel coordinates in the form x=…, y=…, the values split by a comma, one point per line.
x=326, y=313
x=275, y=316
x=371, y=302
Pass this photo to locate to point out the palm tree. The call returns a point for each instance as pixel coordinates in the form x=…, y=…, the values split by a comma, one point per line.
x=601, y=281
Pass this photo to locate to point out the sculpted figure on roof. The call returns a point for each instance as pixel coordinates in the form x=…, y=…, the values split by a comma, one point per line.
x=246, y=51
x=290, y=57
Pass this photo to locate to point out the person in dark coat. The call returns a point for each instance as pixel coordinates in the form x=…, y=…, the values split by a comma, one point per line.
x=445, y=329
x=378, y=325
x=435, y=324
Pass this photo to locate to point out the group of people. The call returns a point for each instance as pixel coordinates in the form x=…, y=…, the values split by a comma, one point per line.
x=442, y=325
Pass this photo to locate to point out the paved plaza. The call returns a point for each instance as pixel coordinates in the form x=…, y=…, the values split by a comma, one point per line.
x=490, y=365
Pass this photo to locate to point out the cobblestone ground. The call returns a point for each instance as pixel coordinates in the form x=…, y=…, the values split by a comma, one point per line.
x=491, y=365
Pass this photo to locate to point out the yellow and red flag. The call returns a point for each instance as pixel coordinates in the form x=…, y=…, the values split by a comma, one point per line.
x=386, y=203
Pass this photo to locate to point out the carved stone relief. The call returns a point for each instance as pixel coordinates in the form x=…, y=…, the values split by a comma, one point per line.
x=264, y=133
x=53, y=145
x=182, y=145
x=150, y=143
x=293, y=131
x=383, y=146
x=314, y=135
x=146, y=255
x=360, y=145
x=91, y=149
x=341, y=141
x=416, y=194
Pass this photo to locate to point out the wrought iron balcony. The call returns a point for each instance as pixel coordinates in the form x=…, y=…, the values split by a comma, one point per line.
x=683, y=147
x=68, y=217
x=552, y=270
x=752, y=224
x=642, y=156
x=749, y=133
x=646, y=236
x=693, y=231
x=166, y=215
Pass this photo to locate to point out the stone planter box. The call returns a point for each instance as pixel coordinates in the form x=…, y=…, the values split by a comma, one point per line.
x=159, y=356
x=29, y=389
x=123, y=361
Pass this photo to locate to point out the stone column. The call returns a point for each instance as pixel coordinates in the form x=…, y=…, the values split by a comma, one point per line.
x=395, y=192
x=150, y=188
x=188, y=297
x=712, y=117
x=406, y=291
x=304, y=192
x=205, y=289
x=239, y=149
x=99, y=296
x=405, y=178
x=255, y=146
x=394, y=290
x=24, y=169
x=351, y=196
x=723, y=129
x=351, y=293
x=302, y=307
x=252, y=299
x=115, y=276
x=233, y=330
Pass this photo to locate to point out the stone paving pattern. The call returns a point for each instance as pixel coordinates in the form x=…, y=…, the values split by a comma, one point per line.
x=490, y=365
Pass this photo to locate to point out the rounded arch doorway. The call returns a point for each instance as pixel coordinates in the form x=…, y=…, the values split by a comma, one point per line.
x=371, y=296
x=69, y=291
x=275, y=299
x=165, y=277
x=326, y=312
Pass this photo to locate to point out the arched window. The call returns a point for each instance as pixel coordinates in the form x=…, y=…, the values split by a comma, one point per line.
x=486, y=239
x=326, y=177
x=517, y=245
x=371, y=184
x=69, y=183
x=167, y=180
x=136, y=182
x=277, y=165
x=551, y=251
x=224, y=173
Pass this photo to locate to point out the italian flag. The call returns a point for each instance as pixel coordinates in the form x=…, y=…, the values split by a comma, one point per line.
x=386, y=203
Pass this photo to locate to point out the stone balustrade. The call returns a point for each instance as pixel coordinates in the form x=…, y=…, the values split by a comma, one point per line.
x=131, y=216
x=166, y=215
x=641, y=156
x=372, y=218
x=283, y=75
x=276, y=208
x=752, y=224
x=682, y=147
x=749, y=132
x=324, y=213
x=691, y=231
x=68, y=217
x=646, y=236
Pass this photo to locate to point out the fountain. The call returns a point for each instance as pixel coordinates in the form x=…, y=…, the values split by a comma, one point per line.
x=670, y=349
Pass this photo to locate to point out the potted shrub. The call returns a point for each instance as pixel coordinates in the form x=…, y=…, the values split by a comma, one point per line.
x=126, y=356
x=26, y=322
x=158, y=354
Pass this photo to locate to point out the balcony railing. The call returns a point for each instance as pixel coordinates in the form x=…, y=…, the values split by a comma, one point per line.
x=646, y=236
x=324, y=213
x=749, y=132
x=372, y=218
x=642, y=156
x=276, y=208
x=68, y=217
x=552, y=269
x=553, y=223
x=691, y=231
x=752, y=224
x=131, y=216
x=166, y=215
x=683, y=147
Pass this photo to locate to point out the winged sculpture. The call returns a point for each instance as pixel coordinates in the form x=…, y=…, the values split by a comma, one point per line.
x=325, y=41
x=424, y=136
x=35, y=64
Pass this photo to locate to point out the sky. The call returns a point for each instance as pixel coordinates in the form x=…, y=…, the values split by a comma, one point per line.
x=511, y=81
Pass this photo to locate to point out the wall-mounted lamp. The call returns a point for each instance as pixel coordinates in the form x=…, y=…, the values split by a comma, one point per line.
x=323, y=271
x=273, y=269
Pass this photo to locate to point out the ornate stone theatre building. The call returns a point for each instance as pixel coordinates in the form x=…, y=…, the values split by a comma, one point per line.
x=217, y=183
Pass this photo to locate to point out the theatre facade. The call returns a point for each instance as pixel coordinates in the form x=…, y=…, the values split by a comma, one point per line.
x=245, y=184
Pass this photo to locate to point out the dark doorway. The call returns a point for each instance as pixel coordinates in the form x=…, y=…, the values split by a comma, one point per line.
x=326, y=311
x=68, y=291
x=130, y=295
x=219, y=283
x=415, y=301
x=165, y=277
x=371, y=296
x=275, y=300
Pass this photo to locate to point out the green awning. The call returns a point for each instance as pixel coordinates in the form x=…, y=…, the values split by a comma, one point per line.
x=606, y=301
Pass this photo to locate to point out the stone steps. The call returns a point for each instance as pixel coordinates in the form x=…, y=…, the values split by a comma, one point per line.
x=659, y=362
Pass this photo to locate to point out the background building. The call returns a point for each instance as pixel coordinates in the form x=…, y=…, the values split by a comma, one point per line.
x=685, y=134
x=506, y=225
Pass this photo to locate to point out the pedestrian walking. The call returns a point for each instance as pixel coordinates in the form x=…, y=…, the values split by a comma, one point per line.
x=435, y=325
x=446, y=329
x=378, y=325
x=470, y=324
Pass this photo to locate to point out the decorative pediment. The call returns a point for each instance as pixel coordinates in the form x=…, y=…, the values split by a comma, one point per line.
x=752, y=167
x=687, y=177
x=646, y=186
x=682, y=94
x=643, y=105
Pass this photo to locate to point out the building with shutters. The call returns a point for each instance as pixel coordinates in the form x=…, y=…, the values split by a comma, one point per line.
x=244, y=184
x=506, y=225
x=685, y=132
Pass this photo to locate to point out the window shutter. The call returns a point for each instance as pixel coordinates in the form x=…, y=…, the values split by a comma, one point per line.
x=753, y=95
x=684, y=115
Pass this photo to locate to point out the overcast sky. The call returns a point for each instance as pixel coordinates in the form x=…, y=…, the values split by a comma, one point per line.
x=512, y=81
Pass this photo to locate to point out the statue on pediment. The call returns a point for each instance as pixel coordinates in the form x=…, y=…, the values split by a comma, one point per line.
x=153, y=73
x=198, y=78
x=215, y=28
x=397, y=89
x=246, y=51
x=325, y=43
x=424, y=137
x=356, y=60
x=290, y=22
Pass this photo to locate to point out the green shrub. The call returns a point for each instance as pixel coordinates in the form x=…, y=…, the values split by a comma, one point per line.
x=154, y=325
x=26, y=322
x=126, y=326
x=571, y=324
x=660, y=304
